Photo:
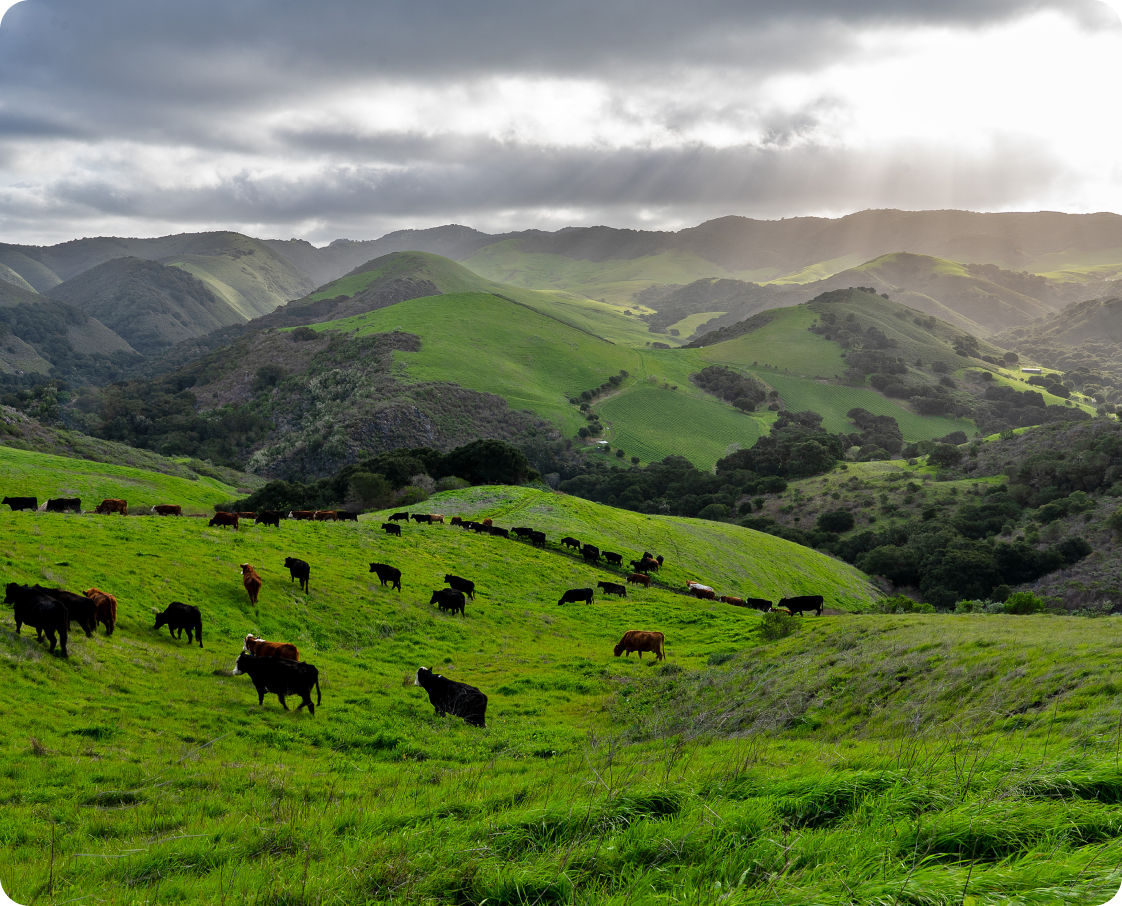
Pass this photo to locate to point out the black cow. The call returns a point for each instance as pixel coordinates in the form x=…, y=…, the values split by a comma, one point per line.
x=464, y=585
x=346, y=516
x=391, y=528
x=298, y=569
x=281, y=677
x=179, y=616
x=614, y=559
x=464, y=523
x=642, y=566
x=571, y=542
x=449, y=697
x=42, y=613
x=64, y=504
x=522, y=531
x=479, y=528
x=389, y=574
x=21, y=503
x=613, y=588
x=803, y=603
x=79, y=608
x=449, y=599
x=590, y=553
x=761, y=604
x=269, y=517
x=398, y=517
x=576, y=594
x=499, y=532
x=537, y=539
x=422, y=517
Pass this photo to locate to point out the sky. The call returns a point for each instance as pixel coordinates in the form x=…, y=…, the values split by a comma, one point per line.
x=353, y=118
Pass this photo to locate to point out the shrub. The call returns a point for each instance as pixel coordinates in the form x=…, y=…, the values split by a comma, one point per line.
x=836, y=521
x=944, y=456
x=452, y=483
x=303, y=335
x=900, y=604
x=1115, y=521
x=777, y=625
x=369, y=491
x=714, y=511
x=1024, y=602
x=412, y=495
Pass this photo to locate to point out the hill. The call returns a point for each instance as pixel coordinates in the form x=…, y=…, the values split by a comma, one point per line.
x=149, y=304
x=595, y=776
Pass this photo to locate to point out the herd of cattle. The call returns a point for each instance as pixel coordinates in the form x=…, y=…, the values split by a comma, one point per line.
x=275, y=667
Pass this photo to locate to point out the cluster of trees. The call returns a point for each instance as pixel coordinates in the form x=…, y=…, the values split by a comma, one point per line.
x=594, y=428
x=744, y=392
x=879, y=436
x=1004, y=407
x=797, y=446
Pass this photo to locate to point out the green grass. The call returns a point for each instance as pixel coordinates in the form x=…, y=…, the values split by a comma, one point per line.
x=43, y=475
x=784, y=341
x=688, y=325
x=924, y=760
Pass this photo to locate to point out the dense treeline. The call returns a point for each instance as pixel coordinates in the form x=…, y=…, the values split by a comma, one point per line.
x=743, y=391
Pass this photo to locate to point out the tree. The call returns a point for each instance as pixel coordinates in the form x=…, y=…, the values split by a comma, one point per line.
x=945, y=456
x=487, y=462
x=836, y=521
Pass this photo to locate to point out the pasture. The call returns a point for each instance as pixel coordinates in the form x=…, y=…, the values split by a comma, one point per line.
x=783, y=341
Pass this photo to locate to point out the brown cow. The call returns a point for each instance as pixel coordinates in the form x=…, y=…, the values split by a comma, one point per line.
x=168, y=509
x=456, y=520
x=106, y=608
x=301, y=514
x=250, y=516
x=439, y=517
x=729, y=599
x=260, y=648
x=638, y=640
x=251, y=581
x=487, y=521
x=112, y=505
x=706, y=594
x=223, y=519
x=326, y=516
x=639, y=579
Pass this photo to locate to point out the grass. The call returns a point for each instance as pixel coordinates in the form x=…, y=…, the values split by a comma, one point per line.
x=688, y=325
x=785, y=340
x=920, y=760
x=43, y=475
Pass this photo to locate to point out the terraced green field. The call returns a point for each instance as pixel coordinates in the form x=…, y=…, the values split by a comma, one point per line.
x=783, y=342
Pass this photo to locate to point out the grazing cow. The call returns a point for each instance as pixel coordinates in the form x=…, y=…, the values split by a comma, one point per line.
x=479, y=528
x=223, y=519
x=398, y=517
x=21, y=503
x=456, y=520
x=106, y=608
x=449, y=599
x=639, y=579
x=761, y=604
x=692, y=584
x=613, y=588
x=251, y=581
x=487, y=521
x=281, y=677
x=571, y=542
x=391, y=528
x=301, y=514
x=250, y=516
x=576, y=594
x=260, y=648
x=450, y=697
x=179, y=616
x=168, y=509
x=464, y=585
x=39, y=611
x=269, y=517
x=436, y=518
x=728, y=599
x=63, y=505
x=706, y=594
x=499, y=532
x=422, y=518
x=387, y=574
x=642, y=566
x=537, y=539
x=614, y=559
x=803, y=603
x=467, y=524
x=79, y=608
x=297, y=569
x=652, y=564
x=522, y=531
x=590, y=553
x=326, y=516
x=638, y=640
x=346, y=516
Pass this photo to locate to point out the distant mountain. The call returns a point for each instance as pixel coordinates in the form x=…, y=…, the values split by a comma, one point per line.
x=1094, y=320
x=149, y=304
x=7, y=275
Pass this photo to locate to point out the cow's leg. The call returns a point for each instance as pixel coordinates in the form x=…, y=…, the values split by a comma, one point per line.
x=283, y=703
x=18, y=627
x=51, y=637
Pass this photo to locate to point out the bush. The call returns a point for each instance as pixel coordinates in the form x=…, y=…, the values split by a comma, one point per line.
x=836, y=521
x=1024, y=602
x=369, y=491
x=777, y=625
x=970, y=607
x=452, y=483
x=945, y=456
x=715, y=511
x=412, y=495
x=303, y=335
x=900, y=604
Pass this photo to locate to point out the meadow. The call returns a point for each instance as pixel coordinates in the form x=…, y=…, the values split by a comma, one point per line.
x=864, y=759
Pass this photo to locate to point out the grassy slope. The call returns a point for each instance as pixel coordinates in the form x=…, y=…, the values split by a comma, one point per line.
x=689, y=324
x=843, y=781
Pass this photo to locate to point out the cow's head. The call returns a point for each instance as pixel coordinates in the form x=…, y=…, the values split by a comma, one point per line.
x=618, y=649
x=422, y=672
x=239, y=664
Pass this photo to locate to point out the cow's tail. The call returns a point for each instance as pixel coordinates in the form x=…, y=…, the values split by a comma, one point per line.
x=319, y=698
x=662, y=647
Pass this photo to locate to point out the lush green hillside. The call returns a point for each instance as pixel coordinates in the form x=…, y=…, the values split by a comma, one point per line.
x=825, y=767
x=36, y=275
x=7, y=275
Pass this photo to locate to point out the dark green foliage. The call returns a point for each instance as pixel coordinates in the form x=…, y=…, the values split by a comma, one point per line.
x=742, y=391
x=777, y=625
x=945, y=456
x=878, y=431
x=900, y=604
x=796, y=447
x=486, y=462
x=715, y=511
x=836, y=521
x=369, y=491
x=1023, y=603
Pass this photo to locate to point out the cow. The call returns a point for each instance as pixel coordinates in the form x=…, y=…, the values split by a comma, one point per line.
x=614, y=559
x=639, y=579
x=260, y=648
x=450, y=697
x=613, y=588
x=297, y=569
x=79, y=608
x=21, y=503
x=40, y=612
x=346, y=516
x=63, y=505
x=325, y=516
x=499, y=532
x=705, y=594
x=537, y=539
x=728, y=599
x=435, y=518
x=301, y=514
x=468, y=524
x=420, y=518
x=522, y=531
x=590, y=553
x=571, y=542
x=691, y=584
x=652, y=564
x=167, y=509
x=479, y=528
x=576, y=594
x=281, y=677
x=449, y=599
x=398, y=517
x=638, y=640
x=250, y=517
x=387, y=574
x=252, y=582
x=269, y=517
x=456, y=520
x=106, y=608
x=659, y=560
x=391, y=528
x=179, y=616
x=642, y=566
x=224, y=519
x=464, y=585
x=761, y=604
x=803, y=603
